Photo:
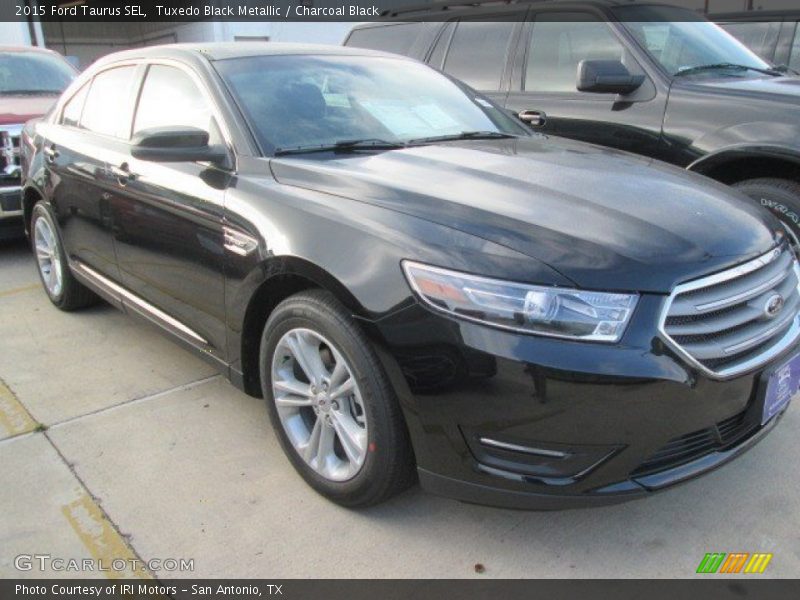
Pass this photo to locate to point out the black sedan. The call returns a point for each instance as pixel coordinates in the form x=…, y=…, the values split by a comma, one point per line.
x=416, y=283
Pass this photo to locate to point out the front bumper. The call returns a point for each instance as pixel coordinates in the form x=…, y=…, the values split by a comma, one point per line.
x=520, y=421
x=11, y=213
x=631, y=489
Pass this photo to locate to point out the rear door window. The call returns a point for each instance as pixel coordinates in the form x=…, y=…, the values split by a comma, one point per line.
x=478, y=52
x=109, y=103
x=71, y=116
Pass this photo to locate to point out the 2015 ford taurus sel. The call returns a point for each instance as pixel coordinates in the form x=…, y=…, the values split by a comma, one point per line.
x=414, y=282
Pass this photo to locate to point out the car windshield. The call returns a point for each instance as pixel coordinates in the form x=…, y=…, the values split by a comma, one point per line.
x=682, y=44
x=33, y=73
x=303, y=101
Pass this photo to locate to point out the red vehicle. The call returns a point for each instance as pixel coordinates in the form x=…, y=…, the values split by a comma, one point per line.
x=31, y=79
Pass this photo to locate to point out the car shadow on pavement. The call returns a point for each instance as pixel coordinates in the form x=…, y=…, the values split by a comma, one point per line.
x=19, y=244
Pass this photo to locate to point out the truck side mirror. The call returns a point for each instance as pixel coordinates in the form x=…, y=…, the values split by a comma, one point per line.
x=607, y=77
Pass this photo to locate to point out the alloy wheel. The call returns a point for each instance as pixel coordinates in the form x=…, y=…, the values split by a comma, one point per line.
x=47, y=256
x=319, y=404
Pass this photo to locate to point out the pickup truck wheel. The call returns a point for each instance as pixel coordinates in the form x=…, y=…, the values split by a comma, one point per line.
x=781, y=196
x=66, y=292
x=331, y=404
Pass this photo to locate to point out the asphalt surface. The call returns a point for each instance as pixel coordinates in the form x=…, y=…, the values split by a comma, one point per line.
x=117, y=443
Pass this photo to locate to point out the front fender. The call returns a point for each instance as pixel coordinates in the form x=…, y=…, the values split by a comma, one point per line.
x=353, y=249
x=32, y=192
x=704, y=119
x=33, y=171
x=765, y=134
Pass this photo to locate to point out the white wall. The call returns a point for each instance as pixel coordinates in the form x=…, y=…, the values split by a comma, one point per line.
x=90, y=41
x=276, y=31
x=283, y=31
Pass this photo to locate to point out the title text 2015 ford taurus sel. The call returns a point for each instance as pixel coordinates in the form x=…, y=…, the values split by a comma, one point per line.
x=415, y=282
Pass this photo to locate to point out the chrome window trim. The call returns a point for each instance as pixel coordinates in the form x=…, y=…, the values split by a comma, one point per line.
x=789, y=338
x=146, y=63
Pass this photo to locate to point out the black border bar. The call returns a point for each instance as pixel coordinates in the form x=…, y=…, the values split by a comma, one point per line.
x=706, y=586
x=177, y=11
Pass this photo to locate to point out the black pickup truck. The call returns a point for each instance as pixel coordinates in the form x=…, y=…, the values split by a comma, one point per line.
x=654, y=80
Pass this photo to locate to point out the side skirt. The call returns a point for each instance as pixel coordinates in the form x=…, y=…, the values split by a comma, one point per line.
x=129, y=303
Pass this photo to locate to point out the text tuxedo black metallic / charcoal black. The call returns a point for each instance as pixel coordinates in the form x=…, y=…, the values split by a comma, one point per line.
x=413, y=280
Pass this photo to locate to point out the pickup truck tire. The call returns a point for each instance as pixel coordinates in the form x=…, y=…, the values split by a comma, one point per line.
x=61, y=286
x=781, y=196
x=321, y=428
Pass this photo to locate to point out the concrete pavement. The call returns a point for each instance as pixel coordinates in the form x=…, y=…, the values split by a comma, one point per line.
x=117, y=443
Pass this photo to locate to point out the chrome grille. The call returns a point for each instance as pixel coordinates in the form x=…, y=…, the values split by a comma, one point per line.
x=722, y=324
x=9, y=152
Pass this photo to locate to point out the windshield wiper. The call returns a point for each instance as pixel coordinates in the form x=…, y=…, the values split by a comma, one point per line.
x=785, y=69
x=342, y=146
x=464, y=135
x=29, y=92
x=712, y=67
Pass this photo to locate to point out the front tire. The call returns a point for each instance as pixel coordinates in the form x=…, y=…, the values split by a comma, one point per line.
x=780, y=196
x=330, y=403
x=66, y=292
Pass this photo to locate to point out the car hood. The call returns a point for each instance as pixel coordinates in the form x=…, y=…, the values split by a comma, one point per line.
x=602, y=218
x=779, y=89
x=16, y=110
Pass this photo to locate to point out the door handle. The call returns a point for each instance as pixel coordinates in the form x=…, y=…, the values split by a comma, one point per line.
x=535, y=118
x=50, y=153
x=122, y=173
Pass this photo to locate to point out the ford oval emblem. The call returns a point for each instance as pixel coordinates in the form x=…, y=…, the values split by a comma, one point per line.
x=773, y=306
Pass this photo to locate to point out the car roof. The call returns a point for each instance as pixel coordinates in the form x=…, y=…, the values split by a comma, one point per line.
x=225, y=50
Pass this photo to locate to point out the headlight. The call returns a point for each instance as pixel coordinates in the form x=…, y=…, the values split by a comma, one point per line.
x=540, y=310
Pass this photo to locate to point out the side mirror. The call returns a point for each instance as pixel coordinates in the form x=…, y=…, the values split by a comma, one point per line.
x=176, y=144
x=607, y=77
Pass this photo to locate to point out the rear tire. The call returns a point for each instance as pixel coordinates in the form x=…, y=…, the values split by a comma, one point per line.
x=360, y=454
x=780, y=196
x=61, y=286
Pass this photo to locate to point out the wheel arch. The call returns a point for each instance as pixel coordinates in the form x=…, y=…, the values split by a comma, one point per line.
x=277, y=279
x=30, y=196
x=739, y=164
